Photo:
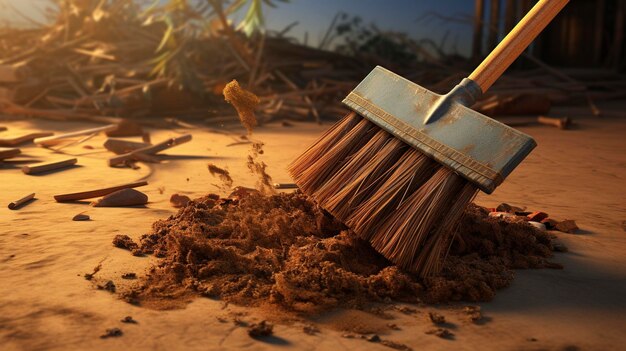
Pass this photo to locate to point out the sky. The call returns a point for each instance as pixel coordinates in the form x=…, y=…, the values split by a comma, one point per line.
x=314, y=17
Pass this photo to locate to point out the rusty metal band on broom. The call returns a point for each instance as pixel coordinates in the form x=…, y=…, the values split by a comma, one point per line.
x=441, y=149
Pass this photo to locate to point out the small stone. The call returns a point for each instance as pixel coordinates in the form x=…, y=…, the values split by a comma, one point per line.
x=178, y=201
x=112, y=333
x=125, y=242
x=473, y=313
x=122, y=198
x=440, y=332
x=504, y=207
x=436, y=318
x=129, y=276
x=81, y=217
x=549, y=223
x=129, y=320
x=260, y=329
x=108, y=286
x=567, y=226
x=373, y=338
x=537, y=216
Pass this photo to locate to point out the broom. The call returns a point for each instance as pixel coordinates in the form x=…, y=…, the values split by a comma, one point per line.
x=400, y=169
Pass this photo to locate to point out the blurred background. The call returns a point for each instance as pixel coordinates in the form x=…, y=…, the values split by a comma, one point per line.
x=93, y=59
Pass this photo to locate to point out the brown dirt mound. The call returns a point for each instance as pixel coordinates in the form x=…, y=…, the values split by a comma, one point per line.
x=284, y=250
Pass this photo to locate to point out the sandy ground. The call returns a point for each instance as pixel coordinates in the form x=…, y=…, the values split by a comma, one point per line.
x=46, y=304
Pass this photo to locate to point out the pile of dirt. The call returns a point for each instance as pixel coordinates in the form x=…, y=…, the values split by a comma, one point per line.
x=284, y=250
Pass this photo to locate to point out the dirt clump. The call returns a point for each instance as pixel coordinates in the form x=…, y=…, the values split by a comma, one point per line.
x=263, y=328
x=245, y=102
x=284, y=250
x=222, y=174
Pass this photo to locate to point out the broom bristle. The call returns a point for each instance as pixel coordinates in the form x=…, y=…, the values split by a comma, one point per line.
x=359, y=184
x=324, y=143
x=326, y=165
x=438, y=245
x=408, y=237
x=411, y=171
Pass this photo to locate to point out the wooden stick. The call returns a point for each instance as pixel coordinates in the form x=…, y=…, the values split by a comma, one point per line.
x=149, y=150
x=54, y=140
x=17, y=204
x=48, y=166
x=8, y=152
x=96, y=193
x=23, y=138
x=561, y=123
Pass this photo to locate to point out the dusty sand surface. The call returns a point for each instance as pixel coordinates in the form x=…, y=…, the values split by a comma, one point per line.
x=46, y=303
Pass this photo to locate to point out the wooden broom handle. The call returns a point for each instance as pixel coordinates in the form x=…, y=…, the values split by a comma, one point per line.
x=516, y=42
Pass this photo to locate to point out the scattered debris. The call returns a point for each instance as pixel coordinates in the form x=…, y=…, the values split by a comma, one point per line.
x=112, y=333
x=81, y=217
x=264, y=182
x=436, y=318
x=440, y=332
x=21, y=202
x=122, y=198
x=48, y=166
x=178, y=201
x=108, y=286
x=473, y=313
x=245, y=102
x=223, y=174
x=96, y=269
x=128, y=320
x=130, y=275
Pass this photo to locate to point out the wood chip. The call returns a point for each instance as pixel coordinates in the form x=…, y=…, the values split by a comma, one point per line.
x=122, y=198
